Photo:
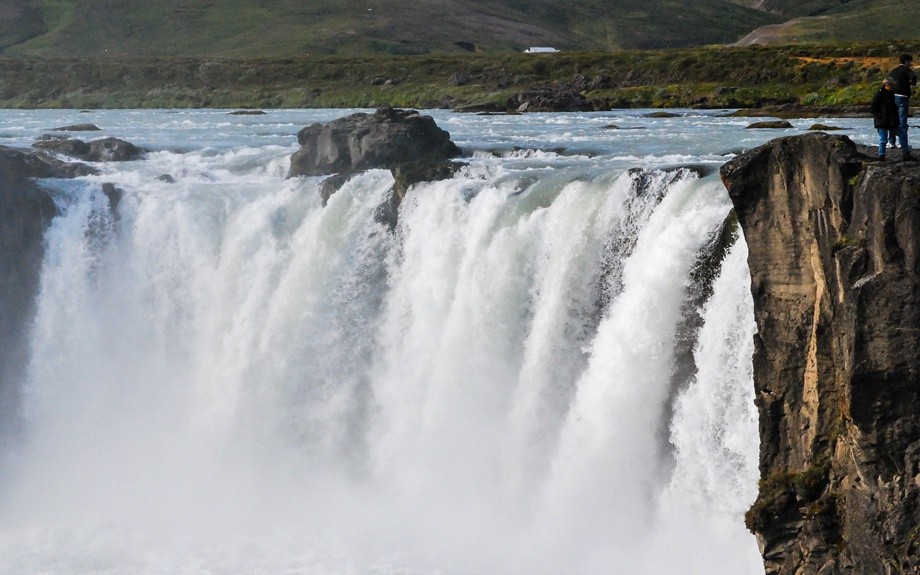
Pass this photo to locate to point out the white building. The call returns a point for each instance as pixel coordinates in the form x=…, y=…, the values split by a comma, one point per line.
x=540, y=50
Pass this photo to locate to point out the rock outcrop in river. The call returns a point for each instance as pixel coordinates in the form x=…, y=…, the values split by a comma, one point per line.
x=365, y=141
x=834, y=244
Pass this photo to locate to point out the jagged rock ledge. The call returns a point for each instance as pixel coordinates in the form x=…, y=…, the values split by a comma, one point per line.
x=834, y=254
x=405, y=142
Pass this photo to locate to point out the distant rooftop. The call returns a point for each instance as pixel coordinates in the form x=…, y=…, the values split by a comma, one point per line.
x=540, y=49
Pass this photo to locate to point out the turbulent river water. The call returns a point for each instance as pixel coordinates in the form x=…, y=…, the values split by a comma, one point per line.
x=533, y=373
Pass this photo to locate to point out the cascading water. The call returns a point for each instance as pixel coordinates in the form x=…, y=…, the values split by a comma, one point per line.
x=228, y=377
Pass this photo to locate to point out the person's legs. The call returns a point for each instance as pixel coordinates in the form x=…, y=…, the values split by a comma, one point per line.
x=883, y=140
x=902, y=103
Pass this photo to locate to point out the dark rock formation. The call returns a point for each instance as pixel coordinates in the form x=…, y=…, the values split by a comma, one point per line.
x=824, y=128
x=364, y=141
x=408, y=174
x=246, y=113
x=771, y=124
x=19, y=165
x=112, y=150
x=550, y=99
x=834, y=244
x=103, y=150
x=114, y=194
x=25, y=212
x=487, y=107
x=77, y=128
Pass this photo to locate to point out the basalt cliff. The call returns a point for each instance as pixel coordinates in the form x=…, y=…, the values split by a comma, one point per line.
x=834, y=244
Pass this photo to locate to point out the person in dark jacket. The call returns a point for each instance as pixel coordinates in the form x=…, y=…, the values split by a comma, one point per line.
x=905, y=78
x=885, y=116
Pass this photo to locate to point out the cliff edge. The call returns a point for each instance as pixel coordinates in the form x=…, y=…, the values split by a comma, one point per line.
x=834, y=244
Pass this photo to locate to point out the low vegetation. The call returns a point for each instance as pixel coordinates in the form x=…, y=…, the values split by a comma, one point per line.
x=798, y=77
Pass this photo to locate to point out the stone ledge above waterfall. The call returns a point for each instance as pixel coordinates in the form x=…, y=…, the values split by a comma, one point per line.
x=834, y=256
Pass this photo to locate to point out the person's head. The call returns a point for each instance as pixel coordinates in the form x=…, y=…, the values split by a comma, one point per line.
x=889, y=83
x=906, y=59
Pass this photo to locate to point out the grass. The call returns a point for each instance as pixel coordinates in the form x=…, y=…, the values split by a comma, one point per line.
x=714, y=77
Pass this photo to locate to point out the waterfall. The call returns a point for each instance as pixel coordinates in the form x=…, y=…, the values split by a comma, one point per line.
x=236, y=379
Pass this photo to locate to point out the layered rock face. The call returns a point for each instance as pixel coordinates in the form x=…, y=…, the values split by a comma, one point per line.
x=834, y=244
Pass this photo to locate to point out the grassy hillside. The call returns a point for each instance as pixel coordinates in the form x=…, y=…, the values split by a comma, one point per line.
x=794, y=8
x=717, y=77
x=850, y=21
x=255, y=28
x=19, y=22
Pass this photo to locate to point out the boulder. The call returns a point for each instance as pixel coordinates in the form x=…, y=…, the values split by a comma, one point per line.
x=112, y=150
x=67, y=146
x=365, y=141
x=771, y=124
x=834, y=257
x=824, y=128
x=487, y=107
x=18, y=165
x=103, y=150
x=77, y=128
x=551, y=99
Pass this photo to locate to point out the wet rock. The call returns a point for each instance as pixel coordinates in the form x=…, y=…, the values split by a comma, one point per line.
x=823, y=128
x=67, y=146
x=77, y=128
x=246, y=113
x=662, y=115
x=408, y=174
x=114, y=194
x=103, y=150
x=364, y=141
x=112, y=150
x=771, y=124
x=479, y=108
x=332, y=184
x=23, y=164
x=552, y=99
x=166, y=178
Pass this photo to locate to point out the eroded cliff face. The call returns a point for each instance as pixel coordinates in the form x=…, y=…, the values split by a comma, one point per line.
x=834, y=243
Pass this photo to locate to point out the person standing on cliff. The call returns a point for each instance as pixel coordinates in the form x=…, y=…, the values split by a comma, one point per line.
x=905, y=78
x=885, y=116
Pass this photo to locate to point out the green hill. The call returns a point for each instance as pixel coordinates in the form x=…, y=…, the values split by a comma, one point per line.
x=850, y=21
x=258, y=28
x=290, y=28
